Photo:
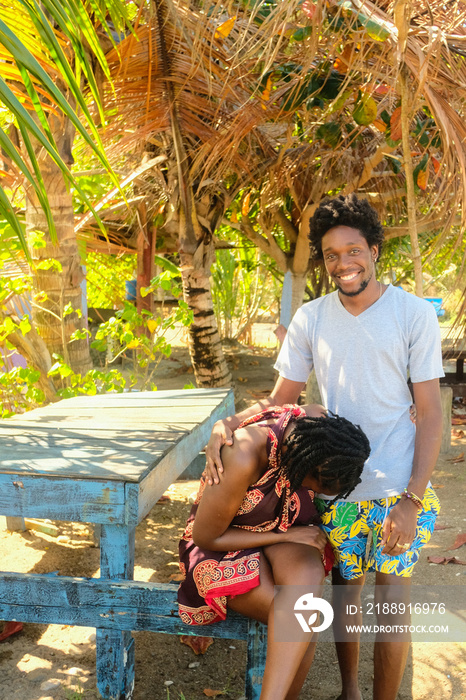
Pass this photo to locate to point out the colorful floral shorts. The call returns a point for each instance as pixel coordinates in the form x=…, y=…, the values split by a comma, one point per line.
x=355, y=533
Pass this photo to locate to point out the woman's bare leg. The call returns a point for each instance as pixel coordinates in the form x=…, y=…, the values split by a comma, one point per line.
x=303, y=670
x=256, y=604
x=287, y=663
x=297, y=565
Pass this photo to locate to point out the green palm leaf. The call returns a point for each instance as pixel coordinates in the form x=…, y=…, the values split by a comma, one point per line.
x=28, y=127
x=10, y=215
x=75, y=24
x=35, y=180
x=33, y=59
x=24, y=58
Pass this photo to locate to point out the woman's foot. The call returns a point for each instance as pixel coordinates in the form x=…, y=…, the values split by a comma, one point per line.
x=9, y=629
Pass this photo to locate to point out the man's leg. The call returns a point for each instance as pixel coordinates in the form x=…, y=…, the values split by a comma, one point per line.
x=391, y=650
x=346, y=527
x=347, y=651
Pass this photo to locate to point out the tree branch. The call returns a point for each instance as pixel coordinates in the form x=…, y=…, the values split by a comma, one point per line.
x=287, y=226
x=267, y=245
x=35, y=352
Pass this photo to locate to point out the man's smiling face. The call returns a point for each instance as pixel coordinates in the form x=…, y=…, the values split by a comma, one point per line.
x=348, y=259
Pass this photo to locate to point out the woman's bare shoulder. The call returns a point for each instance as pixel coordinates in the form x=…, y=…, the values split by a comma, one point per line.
x=249, y=439
x=248, y=449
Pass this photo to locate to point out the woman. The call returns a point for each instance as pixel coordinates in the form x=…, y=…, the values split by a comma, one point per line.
x=258, y=528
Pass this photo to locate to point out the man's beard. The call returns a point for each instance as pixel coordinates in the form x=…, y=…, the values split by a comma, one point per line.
x=363, y=286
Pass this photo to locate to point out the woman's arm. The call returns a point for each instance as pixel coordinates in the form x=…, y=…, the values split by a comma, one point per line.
x=244, y=462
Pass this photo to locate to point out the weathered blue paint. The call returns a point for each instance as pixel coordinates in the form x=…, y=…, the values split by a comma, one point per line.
x=132, y=495
x=115, y=650
x=77, y=500
x=104, y=460
x=158, y=480
x=114, y=606
x=257, y=650
x=195, y=469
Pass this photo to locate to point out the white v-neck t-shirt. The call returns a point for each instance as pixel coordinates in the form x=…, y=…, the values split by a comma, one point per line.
x=362, y=365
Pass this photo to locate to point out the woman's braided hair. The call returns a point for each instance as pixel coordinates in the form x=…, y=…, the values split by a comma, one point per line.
x=332, y=450
x=346, y=210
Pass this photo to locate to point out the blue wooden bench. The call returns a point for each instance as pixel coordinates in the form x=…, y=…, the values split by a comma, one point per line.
x=107, y=460
x=117, y=606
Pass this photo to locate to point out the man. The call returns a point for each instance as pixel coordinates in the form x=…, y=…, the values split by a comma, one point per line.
x=364, y=341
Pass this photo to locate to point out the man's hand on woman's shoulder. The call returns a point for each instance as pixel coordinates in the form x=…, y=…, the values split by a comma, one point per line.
x=284, y=392
x=221, y=435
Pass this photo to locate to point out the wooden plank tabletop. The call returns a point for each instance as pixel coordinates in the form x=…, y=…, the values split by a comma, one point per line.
x=111, y=436
x=453, y=342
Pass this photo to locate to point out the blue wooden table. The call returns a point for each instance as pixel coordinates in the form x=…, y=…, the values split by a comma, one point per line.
x=103, y=459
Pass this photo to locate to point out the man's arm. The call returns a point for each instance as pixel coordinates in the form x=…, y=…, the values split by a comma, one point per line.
x=428, y=434
x=285, y=391
x=400, y=524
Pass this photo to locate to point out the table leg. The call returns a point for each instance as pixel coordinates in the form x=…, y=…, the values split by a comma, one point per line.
x=15, y=524
x=115, y=650
x=257, y=649
x=459, y=369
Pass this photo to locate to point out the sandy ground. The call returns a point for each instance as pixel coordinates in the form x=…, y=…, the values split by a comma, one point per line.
x=58, y=661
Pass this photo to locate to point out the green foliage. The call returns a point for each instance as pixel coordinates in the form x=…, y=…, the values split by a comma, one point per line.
x=440, y=268
x=313, y=90
x=77, y=693
x=106, y=276
x=427, y=133
x=365, y=110
x=49, y=264
x=330, y=132
x=18, y=385
x=181, y=696
x=420, y=167
x=95, y=381
x=19, y=391
x=36, y=239
x=241, y=286
x=141, y=337
x=34, y=67
x=94, y=187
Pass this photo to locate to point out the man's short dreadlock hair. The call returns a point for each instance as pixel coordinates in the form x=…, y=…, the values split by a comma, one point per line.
x=332, y=450
x=345, y=211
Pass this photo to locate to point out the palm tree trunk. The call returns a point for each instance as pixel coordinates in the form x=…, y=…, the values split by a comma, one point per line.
x=54, y=289
x=205, y=348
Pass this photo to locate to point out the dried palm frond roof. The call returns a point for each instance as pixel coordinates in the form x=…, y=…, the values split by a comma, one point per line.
x=355, y=65
x=190, y=68
x=214, y=77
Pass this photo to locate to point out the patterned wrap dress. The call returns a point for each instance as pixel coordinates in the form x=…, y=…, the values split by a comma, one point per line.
x=211, y=577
